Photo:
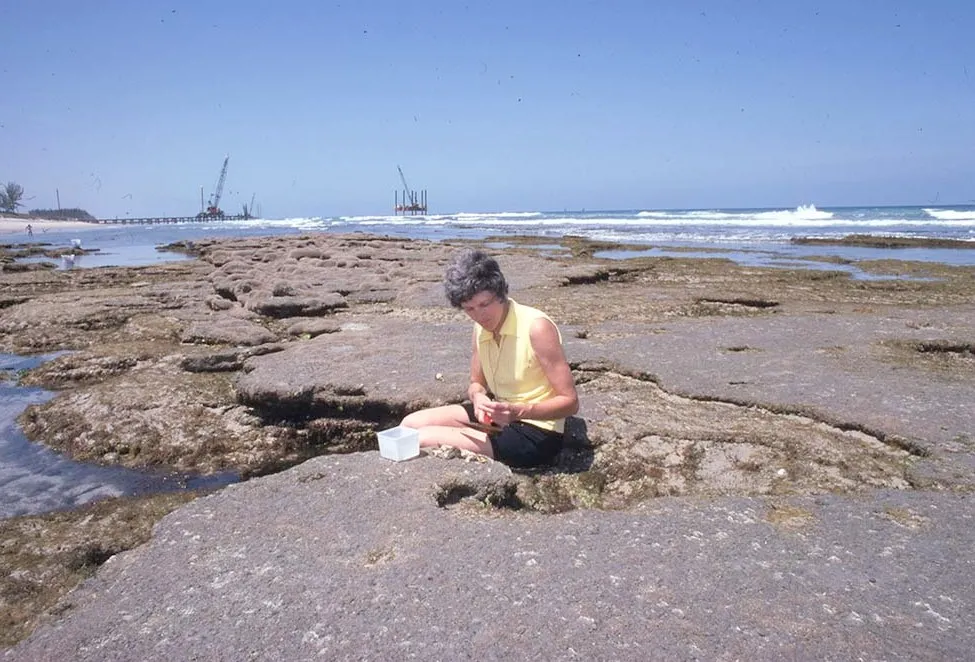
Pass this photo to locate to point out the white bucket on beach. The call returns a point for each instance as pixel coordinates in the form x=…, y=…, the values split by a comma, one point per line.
x=399, y=443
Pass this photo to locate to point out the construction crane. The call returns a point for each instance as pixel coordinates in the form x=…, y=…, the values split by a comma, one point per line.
x=213, y=207
x=406, y=188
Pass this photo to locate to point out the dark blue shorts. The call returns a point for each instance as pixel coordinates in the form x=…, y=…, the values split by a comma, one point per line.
x=522, y=445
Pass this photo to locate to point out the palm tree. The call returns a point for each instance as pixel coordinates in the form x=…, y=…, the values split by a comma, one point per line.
x=10, y=196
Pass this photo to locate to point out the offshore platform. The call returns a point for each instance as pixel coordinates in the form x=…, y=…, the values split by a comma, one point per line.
x=413, y=202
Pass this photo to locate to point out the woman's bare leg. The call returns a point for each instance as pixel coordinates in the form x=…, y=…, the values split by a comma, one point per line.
x=442, y=435
x=444, y=426
x=449, y=415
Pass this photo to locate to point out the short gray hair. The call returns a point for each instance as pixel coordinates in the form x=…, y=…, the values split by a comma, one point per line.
x=471, y=272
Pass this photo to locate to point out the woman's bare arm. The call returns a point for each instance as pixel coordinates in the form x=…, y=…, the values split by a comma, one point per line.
x=548, y=349
x=477, y=391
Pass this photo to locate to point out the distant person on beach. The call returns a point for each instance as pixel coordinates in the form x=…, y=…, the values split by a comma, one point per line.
x=521, y=387
x=30, y=230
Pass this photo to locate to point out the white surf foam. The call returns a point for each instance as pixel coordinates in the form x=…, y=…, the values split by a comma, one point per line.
x=951, y=214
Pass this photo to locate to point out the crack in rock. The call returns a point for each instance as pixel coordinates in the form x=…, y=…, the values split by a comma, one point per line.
x=644, y=442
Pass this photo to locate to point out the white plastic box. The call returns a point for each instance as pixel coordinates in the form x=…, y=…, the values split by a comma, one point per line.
x=399, y=443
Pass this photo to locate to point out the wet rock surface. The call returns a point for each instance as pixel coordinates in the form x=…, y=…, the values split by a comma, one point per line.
x=48, y=555
x=731, y=417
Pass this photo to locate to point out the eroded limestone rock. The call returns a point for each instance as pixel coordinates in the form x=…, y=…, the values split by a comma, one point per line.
x=227, y=331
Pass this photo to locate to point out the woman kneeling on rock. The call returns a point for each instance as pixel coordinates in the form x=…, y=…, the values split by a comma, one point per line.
x=521, y=386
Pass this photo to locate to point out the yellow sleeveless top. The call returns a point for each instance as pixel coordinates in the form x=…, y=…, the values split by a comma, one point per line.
x=510, y=366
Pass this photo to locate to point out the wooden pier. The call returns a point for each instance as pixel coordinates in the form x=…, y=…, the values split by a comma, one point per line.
x=199, y=218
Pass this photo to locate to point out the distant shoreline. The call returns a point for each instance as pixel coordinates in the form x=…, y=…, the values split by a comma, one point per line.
x=10, y=225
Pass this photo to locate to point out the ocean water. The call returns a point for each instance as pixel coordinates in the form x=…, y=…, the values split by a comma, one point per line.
x=753, y=236
x=34, y=479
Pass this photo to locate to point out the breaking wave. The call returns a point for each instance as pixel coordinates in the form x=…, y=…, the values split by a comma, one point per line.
x=951, y=214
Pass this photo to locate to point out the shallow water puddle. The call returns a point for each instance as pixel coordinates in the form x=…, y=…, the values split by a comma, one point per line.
x=35, y=479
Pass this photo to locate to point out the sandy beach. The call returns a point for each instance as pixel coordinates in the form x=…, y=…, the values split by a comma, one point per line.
x=11, y=225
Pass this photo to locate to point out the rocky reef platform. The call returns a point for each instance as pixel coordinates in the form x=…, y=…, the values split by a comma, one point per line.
x=768, y=463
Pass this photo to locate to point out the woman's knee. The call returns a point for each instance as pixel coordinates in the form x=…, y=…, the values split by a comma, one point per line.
x=422, y=418
x=449, y=415
x=414, y=420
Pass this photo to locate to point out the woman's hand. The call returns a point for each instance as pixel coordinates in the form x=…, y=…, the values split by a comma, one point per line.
x=500, y=413
x=490, y=411
x=483, y=407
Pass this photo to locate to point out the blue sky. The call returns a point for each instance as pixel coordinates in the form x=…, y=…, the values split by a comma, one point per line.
x=127, y=108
